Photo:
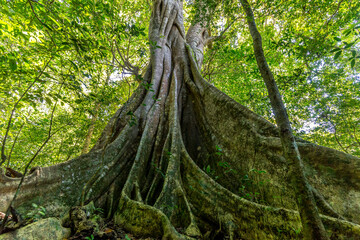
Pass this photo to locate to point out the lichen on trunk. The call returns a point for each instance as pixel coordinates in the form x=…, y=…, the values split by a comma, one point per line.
x=155, y=170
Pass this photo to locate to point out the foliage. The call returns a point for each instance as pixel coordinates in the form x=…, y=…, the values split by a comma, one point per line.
x=76, y=38
x=93, y=47
x=313, y=51
x=90, y=238
x=37, y=213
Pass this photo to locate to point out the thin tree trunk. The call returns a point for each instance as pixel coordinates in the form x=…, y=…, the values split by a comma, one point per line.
x=94, y=117
x=90, y=132
x=312, y=224
x=3, y=155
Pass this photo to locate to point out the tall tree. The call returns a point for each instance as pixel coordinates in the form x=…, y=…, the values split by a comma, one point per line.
x=312, y=225
x=168, y=163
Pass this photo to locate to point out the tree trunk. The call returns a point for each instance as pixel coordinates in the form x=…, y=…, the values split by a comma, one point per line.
x=171, y=162
x=311, y=222
x=90, y=132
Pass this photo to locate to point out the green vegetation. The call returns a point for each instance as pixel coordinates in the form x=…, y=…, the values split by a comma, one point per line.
x=57, y=58
x=132, y=92
x=69, y=56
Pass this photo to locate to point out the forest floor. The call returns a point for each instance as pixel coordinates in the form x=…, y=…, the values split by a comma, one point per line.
x=106, y=231
x=110, y=232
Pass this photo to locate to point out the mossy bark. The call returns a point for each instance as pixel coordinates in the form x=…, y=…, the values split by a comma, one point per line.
x=158, y=170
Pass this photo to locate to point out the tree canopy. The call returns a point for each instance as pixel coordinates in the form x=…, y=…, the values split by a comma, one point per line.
x=70, y=48
x=312, y=48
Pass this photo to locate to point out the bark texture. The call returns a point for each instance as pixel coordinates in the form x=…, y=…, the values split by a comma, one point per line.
x=171, y=162
x=311, y=222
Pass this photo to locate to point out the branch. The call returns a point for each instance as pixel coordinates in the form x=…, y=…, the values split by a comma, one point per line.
x=3, y=156
x=206, y=70
x=355, y=136
x=23, y=177
x=337, y=140
x=37, y=17
x=214, y=38
x=331, y=17
x=335, y=134
x=2, y=227
x=12, y=148
x=127, y=65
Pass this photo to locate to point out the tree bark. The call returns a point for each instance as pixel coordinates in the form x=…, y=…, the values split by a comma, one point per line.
x=311, y=221
x=90, y=132
x=147, y=168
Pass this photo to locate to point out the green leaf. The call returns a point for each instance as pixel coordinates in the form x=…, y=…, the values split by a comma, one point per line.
x=335, y=50
x=337, y=55
x=337, y=39
x=76, y=67
x=20, y=105
x=347, y=32
x=353, y=53
x=48, y=100
x=349, y=45
x=13, y=64
x=55, y=21
x=47, y=26
x=352, y=63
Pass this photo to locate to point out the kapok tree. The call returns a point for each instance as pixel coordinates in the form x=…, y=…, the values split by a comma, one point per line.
x=170, y=163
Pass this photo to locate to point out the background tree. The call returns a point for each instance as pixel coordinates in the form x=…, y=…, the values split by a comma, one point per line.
x=311, y=222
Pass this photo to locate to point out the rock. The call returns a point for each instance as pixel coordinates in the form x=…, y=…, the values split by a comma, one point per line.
x=49, y=228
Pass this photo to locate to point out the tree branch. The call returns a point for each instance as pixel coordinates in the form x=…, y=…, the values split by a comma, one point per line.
x=3, y=156
x=214, y=38
x=15, y=140
x=329, y=20
x=28, y=165
x=355, y=136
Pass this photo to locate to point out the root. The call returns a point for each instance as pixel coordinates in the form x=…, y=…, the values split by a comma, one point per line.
x=324, y=206
x=144, y=220
x=211, y=201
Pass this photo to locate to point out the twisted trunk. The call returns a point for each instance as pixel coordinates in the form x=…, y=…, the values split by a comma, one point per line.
x=146, y=170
